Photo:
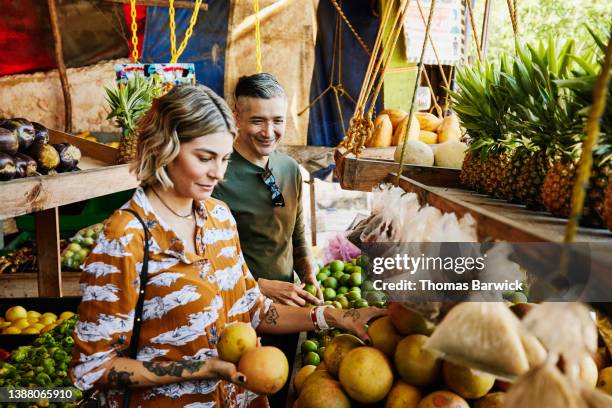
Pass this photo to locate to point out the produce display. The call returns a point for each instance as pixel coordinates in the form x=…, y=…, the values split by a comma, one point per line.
x=43, y=364
x=404, y=369
x=18, y=320
x=20, y=260
x=525, y=116
x=80, y=246
x=25, y=151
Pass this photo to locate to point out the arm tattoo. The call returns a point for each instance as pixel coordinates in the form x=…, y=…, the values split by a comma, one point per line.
x=353, y=314
x=120, y=379
x=174, y=369
x=271, y=316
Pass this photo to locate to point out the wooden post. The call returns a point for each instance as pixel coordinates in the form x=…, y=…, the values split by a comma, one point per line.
x=47, y=253
x=313, y=211
x=59, y=59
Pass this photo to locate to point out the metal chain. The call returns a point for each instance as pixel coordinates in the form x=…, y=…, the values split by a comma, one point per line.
x=258, y=67
x=172, y=30
x=134, y=31
x=189, y=32
x=350, y=26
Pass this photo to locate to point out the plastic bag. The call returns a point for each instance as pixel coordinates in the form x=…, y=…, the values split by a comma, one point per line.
x=339, y=247
x=484, y=336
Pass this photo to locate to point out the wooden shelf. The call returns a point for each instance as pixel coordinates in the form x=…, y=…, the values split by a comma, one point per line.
x=43, y=194
x=26, y=284
x=498, y=219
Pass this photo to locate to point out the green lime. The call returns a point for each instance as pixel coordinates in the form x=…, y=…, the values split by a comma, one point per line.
x=310, y=288
x=337, y=274
x=330, y=283
x=344, y=279
x=321, y=351
x=342, y=290
x=309, y=345
x=353, y=295
x=312, y=358
x=344, y=302
x=336, y=332
x=336, y=265
x=357, y=269
x=325, y=269
x=348, y=268
x=337, y=304
x=321, y=276
x=361, y=303
x=355, y=289
x=362, y=261
x=329, y=294
x=354, y=261
x=380, y=305
x=328, y=302
x=368, y=285
x=355, y=279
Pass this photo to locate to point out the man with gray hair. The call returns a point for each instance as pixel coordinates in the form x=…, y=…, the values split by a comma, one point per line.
x=263, y=189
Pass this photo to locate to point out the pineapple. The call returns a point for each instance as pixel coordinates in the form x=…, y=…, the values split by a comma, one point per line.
x=481, y=105
x=560, y=180
x=129, y=102
x=544, y=114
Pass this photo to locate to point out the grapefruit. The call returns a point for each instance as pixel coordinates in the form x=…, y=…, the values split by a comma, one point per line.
x=416, y=365
x=315, y=378
x=301, y=376
x=383, y=335
x=443, y=399
x=266, y=369
x=236, y=339
x=403, y=395
x=493, y=400
x=466, y=382
x=326, y=394
x=337, y=349
x=366, y=375
x=408, y=322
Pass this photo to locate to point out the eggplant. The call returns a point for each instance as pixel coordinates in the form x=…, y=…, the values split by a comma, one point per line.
x=41, y=134
x=23, y=129
x=8, y=141
x=7, y=167
x=69, y=156
x=46, y=157
x=26, y=166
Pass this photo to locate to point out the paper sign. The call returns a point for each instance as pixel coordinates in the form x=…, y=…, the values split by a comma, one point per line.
x=175, y=74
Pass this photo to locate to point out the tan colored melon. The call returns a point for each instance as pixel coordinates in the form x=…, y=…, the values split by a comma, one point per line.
x=428, y=137
x=382, y=133
x=449, y=129
x=428, y=121
x=400, y=131
x=396, y=116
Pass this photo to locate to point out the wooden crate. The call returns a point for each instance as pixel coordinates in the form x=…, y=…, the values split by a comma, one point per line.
x=25, y=285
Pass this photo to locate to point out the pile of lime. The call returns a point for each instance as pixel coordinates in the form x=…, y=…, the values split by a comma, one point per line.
x=345, y=285
x=314, y=346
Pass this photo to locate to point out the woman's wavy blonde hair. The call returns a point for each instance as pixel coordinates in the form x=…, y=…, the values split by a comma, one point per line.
x=186, y=112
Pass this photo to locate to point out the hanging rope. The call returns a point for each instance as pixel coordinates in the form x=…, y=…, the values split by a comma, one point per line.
x=416, y=86
x=592, y=134
x=134, y=32
x=175, y=54
x=433, y=47
x=350, y=26
x=433, y=95
x=258, y=67
x=474, y=32
x=513, y=18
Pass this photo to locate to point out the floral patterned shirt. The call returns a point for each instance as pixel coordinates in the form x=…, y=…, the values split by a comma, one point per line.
x=189, y=299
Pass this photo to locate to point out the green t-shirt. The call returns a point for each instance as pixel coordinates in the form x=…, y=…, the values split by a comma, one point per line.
x=270, y=236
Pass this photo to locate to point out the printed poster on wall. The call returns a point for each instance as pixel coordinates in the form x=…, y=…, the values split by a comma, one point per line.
x=445, y=31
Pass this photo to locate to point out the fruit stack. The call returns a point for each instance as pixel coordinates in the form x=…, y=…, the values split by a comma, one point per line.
x=18, y=320
x=398, y=371
x=80, y=246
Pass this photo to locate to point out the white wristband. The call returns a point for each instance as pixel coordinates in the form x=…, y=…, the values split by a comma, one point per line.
x=321, y=322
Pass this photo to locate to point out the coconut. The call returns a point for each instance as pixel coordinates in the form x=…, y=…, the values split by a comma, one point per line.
x=450, y=154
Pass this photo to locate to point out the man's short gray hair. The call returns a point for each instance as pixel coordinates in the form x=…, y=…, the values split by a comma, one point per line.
x=263, y=86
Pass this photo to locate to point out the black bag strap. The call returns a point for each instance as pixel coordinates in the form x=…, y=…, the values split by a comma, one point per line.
x=144, y=277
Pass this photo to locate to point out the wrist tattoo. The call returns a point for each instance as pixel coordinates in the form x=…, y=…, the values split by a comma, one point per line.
x=120, y=379
x=174, y=369
x=271, y=316
x=352, y=314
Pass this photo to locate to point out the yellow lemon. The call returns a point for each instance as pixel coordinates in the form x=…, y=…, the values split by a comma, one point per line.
x=21, y=323
x=32, y=314
x=66, y=315
x=49, y=314
x=38, y=326
x=4, y=324
x=11, y=330
x=16, y=313
x=46, y=320
x=30, y=330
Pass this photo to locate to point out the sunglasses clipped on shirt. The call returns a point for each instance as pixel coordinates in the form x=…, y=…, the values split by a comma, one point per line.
x=277, y=197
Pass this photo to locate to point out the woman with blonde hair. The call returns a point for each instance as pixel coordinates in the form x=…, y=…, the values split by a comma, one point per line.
x=167, y=273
